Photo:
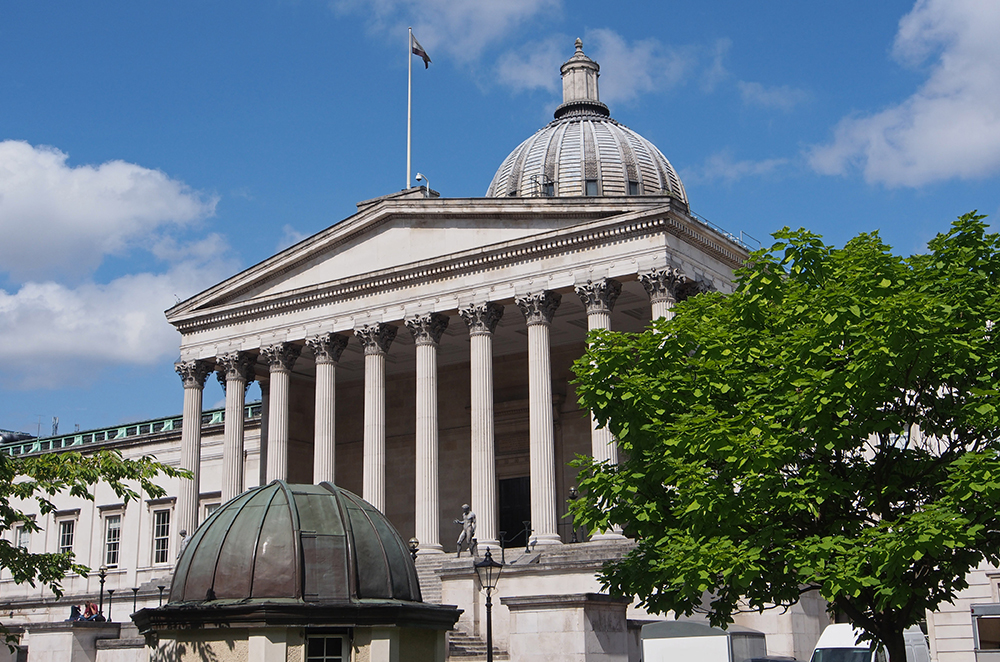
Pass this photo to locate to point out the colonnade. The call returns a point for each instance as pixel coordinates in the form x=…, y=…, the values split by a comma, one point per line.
x=235, y=370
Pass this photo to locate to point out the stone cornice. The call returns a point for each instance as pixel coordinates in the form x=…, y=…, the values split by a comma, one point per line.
x=529, y=249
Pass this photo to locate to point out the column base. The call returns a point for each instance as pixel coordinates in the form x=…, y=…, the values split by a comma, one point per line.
x=483, y=545
x=429, y=549
x=546, y=539
x=607, y=535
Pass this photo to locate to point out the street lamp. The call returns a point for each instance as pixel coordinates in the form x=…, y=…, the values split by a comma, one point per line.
x=488, y=571
x=135, y=595
x=111, y=595
x=161, y=594
x=103, y=574
x=414, y=546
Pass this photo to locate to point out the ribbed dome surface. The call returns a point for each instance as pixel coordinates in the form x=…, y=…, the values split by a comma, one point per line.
x=314, y=543
x=585, y=146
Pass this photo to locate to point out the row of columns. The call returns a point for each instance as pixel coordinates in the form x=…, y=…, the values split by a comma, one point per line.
x=235, y=372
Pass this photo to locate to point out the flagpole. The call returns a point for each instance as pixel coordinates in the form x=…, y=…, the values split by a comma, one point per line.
x=409, y=99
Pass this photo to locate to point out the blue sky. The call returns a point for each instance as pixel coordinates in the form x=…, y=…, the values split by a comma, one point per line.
x=148, y=150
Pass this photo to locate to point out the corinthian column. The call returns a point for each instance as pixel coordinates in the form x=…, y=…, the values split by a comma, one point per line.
x=234, y=371
x=538, y=310
x=376, y=339
x=482, y=320
x=427, y=330
x=663, y=287
x=327, y=349
x=280, y=358
x=193, y=375
x=599, y=298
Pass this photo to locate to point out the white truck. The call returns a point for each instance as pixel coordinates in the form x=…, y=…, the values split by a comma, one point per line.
x=839, y=643
x=688, y=641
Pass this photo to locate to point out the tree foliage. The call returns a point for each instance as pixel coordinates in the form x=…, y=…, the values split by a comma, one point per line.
x=37, y=479
x=831, y=425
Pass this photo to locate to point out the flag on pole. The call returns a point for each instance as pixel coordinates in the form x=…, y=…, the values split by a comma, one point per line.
x=419, y=50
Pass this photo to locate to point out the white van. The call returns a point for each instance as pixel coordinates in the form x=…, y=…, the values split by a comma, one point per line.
x=839, y=643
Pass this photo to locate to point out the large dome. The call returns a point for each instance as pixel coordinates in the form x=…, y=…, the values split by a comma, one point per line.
x=583, y=151
x=308, y=543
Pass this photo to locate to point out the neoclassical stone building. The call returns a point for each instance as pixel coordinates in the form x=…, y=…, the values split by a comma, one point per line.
x=419, y=351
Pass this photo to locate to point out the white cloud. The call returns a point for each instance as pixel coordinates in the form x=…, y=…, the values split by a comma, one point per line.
x=722, y=167
x=781, y=97
x=57, y=219
x=289, y=237
x=950, y=127
x=53, y=335
x=627, y=69
x=534, y=65
x=716, y=71
x=459, y=29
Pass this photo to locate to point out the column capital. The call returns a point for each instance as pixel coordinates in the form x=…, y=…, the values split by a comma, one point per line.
x=539, y=308
x=427, y=329
x=482, y=317
x=233, y=366
x=599, y=296
x=327, y=347
x=663, y=284
x=193, y=373
x=376, y=338
x=281, y=356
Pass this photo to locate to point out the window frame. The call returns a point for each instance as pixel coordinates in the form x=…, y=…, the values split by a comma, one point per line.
x=62, y=525
x=345, y=648
x=160, y=549
x=106, y=542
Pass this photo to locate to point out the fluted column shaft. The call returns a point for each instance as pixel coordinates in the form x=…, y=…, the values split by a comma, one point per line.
x=235, y=370
x=427, y=331
x=280, y=358
x=376, y=339
x=327, y=349
x=482, y=320
x=265, y=404
x=193, y=375
x=599, y=299
x=538, y=310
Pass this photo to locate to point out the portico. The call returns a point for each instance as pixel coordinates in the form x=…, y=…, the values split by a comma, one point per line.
x=350, y=396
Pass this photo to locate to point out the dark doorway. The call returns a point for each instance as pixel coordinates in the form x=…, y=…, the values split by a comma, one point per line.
x=515, y=509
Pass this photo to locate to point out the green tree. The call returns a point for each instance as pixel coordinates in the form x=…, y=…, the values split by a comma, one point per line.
x=34, y=480
x=831, y=425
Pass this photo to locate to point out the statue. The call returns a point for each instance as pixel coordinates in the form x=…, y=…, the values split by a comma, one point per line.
x=184, y=542
x=468, y=535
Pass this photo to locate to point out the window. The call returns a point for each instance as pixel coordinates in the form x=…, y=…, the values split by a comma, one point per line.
x=326, y=649
x=161, y=536
x=591, y=187
x=67, y=529
x=210, y=509
x=23, y=537
x=633, y=188
x=112, y=539
x=549, y=189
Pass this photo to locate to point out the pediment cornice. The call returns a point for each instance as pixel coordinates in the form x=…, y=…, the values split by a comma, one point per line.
x=613, y=229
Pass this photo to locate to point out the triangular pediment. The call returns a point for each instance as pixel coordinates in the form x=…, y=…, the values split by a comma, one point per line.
x=396, y=232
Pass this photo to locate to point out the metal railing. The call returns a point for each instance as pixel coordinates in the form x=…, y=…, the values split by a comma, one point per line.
x=741, y=239
x=142, y=428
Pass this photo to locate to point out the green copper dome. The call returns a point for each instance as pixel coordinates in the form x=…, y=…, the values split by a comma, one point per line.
x=312, y=543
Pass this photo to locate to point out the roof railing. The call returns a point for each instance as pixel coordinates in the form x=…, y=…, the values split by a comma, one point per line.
x=251, y=411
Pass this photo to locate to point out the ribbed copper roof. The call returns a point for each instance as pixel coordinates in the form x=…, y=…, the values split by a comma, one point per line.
x=584, y=145
x=315, y=543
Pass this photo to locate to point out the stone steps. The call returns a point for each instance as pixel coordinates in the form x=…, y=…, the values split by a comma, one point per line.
x=467, y=648
x=428, y=573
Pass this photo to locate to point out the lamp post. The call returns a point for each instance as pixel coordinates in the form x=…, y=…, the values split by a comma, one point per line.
x=135, y=595
x=414, y=546
x=111, y=595
x=103, y=574
x=161, y=594
x=488, y=571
